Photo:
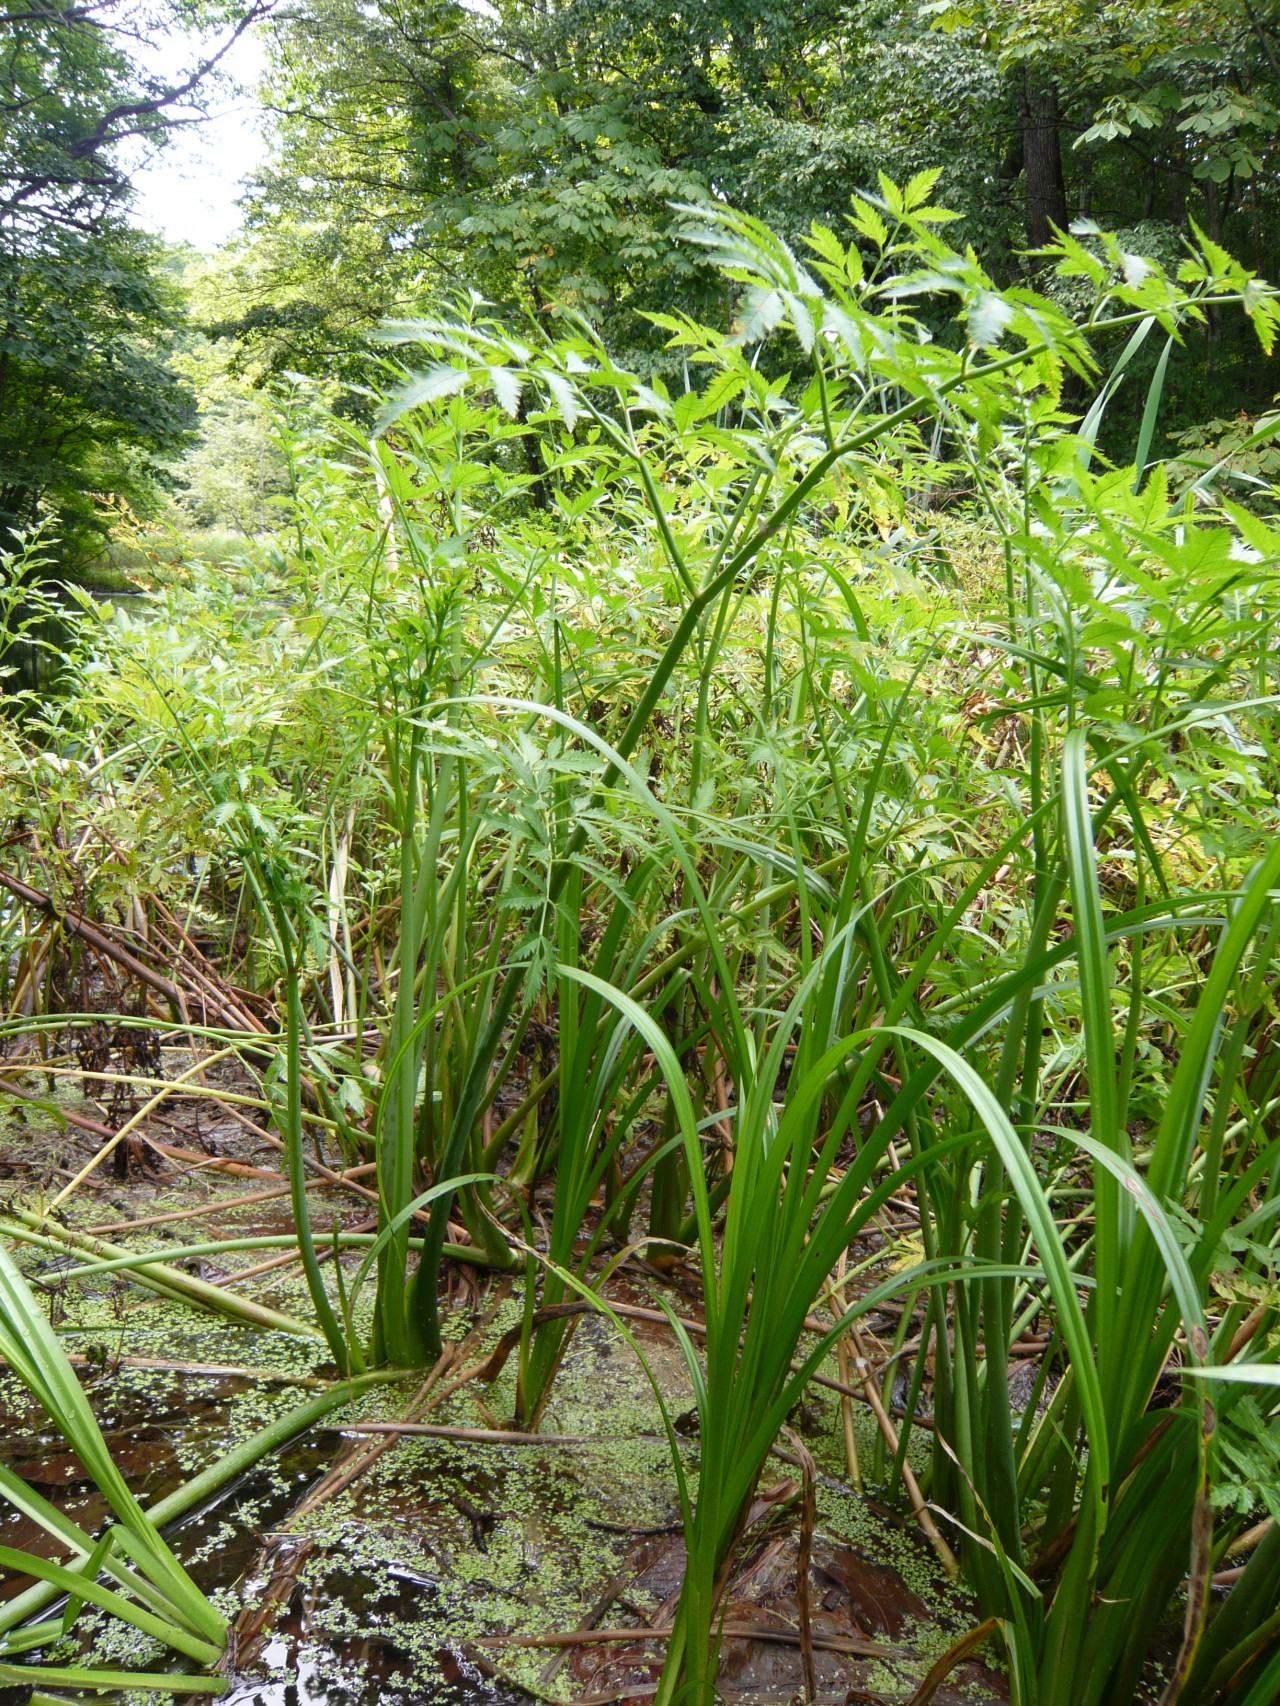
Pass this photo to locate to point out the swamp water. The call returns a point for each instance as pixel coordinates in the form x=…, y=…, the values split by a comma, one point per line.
x=437, y=1575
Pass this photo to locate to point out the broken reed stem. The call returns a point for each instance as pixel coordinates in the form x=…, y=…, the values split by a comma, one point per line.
x=219, y=1205
x=851, y=1644
x=343, y=1474
x=804, y=1551
x=490, y=1436
x=199, y=1370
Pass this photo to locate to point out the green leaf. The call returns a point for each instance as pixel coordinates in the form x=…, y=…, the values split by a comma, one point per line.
x=429, y=387
x=919, y=189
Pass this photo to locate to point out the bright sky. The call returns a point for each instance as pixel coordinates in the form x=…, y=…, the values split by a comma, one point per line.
x=189, y=193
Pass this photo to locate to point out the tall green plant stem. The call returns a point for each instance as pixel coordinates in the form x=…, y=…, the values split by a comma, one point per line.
x=347, y=1356
x=719, y=580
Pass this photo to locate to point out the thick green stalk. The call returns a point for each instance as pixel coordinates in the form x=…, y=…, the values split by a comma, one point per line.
x=347, y=1357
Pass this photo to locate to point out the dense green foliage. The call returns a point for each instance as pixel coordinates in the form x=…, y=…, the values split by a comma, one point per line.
x=533, y=154
x=741, y=841
x=90, y=403
x=88, y=396
x=728, y=713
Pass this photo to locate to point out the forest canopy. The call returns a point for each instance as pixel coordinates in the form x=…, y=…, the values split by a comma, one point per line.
x=90, y=402
x=537, y=155
x=533, y=153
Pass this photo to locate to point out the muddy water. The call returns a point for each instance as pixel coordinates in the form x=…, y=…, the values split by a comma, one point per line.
x=432, y=1578
x=418, y=1584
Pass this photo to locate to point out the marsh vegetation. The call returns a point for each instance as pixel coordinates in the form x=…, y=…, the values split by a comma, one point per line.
x=735, y=918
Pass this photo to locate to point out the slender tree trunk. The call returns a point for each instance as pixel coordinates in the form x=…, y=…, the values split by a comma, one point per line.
x=1216, y=202
x=538, y=491
x=1042, y=159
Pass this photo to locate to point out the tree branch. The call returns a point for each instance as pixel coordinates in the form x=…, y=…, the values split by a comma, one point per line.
x=105, y=132
x=1263, y=40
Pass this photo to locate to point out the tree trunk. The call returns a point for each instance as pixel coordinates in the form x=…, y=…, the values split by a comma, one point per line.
x=539, y=493
x=1042, y=159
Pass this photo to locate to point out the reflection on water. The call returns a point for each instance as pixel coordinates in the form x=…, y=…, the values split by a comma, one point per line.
x=317, y=1676
x=359, y=1673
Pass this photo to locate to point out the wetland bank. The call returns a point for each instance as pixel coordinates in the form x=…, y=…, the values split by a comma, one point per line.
x=650, y=1073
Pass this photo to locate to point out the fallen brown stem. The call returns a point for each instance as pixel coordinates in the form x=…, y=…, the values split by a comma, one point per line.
x=94, y=937
x=363, y=1455
x=923, y=1514
x=216, y=1205
x=202, y=1370
x=1251, y=1537
x=852, y=1644
x=808, y=1521
x=214, y=1163
x=489, y=1436
x=954, y=1655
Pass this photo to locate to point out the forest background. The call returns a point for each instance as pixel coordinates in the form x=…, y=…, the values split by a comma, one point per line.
x=532, y=153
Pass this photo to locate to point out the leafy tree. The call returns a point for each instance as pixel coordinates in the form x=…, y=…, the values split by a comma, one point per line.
x=88, y=401
x=1166, y=109
x=531, y=153
x=1145, y=119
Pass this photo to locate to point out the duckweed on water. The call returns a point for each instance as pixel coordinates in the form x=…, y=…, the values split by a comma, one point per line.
x=443, y=1542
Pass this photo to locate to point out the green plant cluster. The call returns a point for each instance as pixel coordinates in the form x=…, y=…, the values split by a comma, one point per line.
x=534, y=153
x=845, y=786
